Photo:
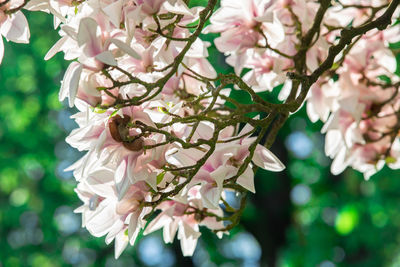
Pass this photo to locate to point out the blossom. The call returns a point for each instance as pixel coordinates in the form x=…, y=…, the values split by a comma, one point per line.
x=155, y=120
x=224, y=164
x=175, y=217
x=14, y=27
x=105, y=213
x=243, y=25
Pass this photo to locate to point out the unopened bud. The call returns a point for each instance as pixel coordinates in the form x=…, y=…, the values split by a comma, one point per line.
x=114, y=125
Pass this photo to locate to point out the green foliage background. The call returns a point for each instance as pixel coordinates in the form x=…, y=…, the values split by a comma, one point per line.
x=303, y=217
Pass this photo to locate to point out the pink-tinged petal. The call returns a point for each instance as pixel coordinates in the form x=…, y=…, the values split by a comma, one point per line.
x=204, y=130
x=267, y=160
x=56, y=48
x=70, y=83
x=89, y=36
x=126, y=48
x=1, y=49
x=212, y=223
x=16, y=28
x=246, y=180
x=227, y=132
x=247, y=127
x=224, y=18
x=107, y=58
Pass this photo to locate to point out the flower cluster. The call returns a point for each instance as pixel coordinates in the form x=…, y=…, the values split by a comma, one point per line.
x=358, y=99
x=137, y=110
x=163, y=148
x=359, y=103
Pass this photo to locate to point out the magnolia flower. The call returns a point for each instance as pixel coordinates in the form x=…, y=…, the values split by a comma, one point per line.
x=223, y=164
x=267, y=70
x=13, y=27
x=113, y=144
x=242, y=25
x=173, y=219
x=105, y=213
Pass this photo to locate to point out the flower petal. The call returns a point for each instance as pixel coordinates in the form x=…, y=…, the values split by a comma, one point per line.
x=16, y=28
x=70, y=83
x=267, y=160
x=126, y=48
x=107, y=58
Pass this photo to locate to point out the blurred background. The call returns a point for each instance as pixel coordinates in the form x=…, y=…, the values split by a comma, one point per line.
x=301, y=217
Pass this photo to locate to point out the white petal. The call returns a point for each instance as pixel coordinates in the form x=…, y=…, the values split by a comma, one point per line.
x=121, y=241
x=275, y=31
x=267, y=160
x=70, y=83
x=102, y=222
x=116, y=229
x=134, y=227
x=55, y=48
x=101, y=182
x=339, y=164
x=333, y=142
x=179, y=7
x=126, y=48
x=121, y=180
x=87, y=31
x=162, y=219
x=188, y=237
x=170, y=232
x=267, y=17
x=107, y=58
x=89, y=37
x=37, y=5
x=16, y=28
x=246, y=180
x=210, y=196
x=113, y=12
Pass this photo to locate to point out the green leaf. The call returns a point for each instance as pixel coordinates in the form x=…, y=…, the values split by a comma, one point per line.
x=160, y=177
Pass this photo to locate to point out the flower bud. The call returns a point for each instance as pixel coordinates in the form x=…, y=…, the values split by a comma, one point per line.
x=114, y=125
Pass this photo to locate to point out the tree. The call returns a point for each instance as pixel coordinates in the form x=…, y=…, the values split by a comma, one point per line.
x=165, y=139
